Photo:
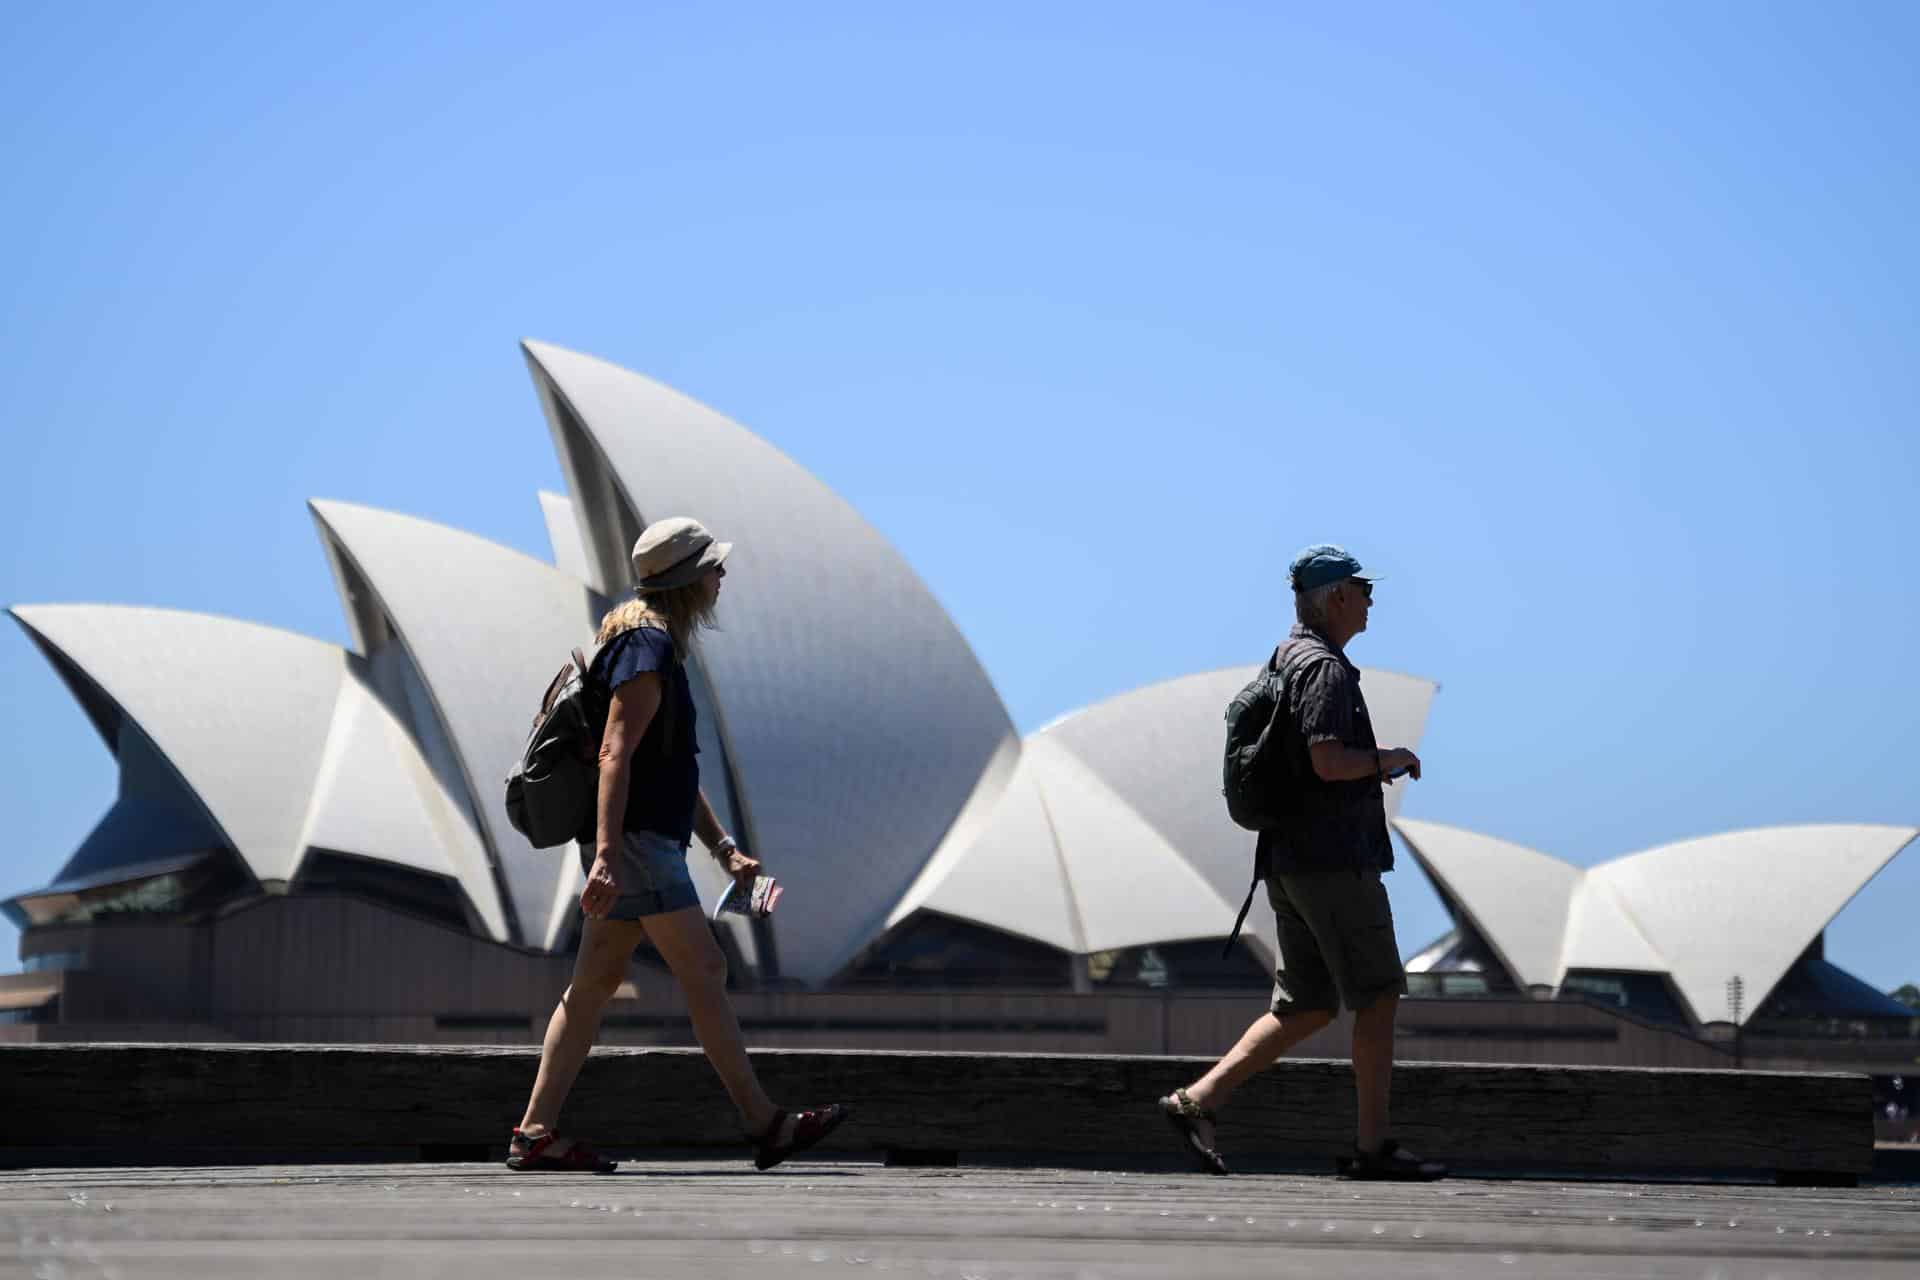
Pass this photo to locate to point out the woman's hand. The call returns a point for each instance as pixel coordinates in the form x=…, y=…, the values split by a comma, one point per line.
x=603, y=888
x=743, y=867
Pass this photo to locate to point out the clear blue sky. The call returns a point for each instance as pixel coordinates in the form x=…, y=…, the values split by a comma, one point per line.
x=1597, y=324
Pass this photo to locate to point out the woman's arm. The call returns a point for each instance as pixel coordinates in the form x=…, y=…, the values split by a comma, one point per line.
x=741, y=865
x=706, y=823
x=632, y=710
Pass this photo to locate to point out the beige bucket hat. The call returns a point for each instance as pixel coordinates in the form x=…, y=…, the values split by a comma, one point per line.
x=674, y=552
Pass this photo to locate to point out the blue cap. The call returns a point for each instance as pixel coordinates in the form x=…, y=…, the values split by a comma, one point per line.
x=1321, y=564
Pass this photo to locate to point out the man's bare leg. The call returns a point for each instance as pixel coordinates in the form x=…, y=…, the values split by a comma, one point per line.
x=1373, y=1069
x=1260, y=1047
x=598, y=968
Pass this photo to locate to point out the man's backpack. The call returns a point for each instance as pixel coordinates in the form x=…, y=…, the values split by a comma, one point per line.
x=552, y=791
x=1255, y=776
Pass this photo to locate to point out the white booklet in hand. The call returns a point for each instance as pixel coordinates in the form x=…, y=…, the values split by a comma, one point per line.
x=758, y=903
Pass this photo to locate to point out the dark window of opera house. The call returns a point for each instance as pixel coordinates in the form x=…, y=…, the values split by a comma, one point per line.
x=1181, y=966
x=1644, y=995
x=932, y=950
x=409, y=890
x=1458, y=963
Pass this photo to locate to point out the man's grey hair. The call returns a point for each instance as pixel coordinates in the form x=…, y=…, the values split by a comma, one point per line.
x=1310, y=606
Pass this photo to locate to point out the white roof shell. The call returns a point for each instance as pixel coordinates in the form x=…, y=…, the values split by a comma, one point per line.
x=1064, y=860
x=563, y=533
x=275, y=734
x=1101, y=831
x=1516, y=899
x=1742, y=903
x=375, y=796
x=196, y=685
x=486, y=628
x=1121, y=804
x=1159, y=746
x=824, y=713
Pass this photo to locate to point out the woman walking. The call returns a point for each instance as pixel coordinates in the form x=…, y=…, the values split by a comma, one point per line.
x=638, y=888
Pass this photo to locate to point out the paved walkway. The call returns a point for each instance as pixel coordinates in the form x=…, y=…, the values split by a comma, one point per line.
x=714, y=1220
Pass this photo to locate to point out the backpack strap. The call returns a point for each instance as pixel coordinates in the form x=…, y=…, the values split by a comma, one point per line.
x=1259, y=873
x=1246, y=906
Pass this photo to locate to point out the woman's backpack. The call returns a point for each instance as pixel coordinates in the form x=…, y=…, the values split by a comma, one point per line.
x=552, y=791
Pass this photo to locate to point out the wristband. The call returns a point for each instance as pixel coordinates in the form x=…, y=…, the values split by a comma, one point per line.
x=724, y=846
x=1379, y=770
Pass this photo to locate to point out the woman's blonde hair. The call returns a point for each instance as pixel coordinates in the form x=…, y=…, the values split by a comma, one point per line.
x=679, y=612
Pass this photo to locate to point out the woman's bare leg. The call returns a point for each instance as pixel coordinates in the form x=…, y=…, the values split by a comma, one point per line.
x=685, y=942
x=605, y=948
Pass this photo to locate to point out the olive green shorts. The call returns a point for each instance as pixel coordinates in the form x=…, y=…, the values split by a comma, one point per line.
x=1336, y=941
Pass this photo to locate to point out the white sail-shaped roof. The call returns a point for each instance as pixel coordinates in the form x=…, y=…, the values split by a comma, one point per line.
x=1009, y=876
x=856, y=720
x=1159, y=747
x=1114, y=824
x=563, y=535
x=1130, y=886
x=1516, y=898
x=1064, y=860
x=276, y=735
x=1602, y=934
x=240, y=710
x=376, y=797
x=486, y=628
x=1741, y=904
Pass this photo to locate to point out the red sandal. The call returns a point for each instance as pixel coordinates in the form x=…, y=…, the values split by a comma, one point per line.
x=808, y=1128
x=529, y=1155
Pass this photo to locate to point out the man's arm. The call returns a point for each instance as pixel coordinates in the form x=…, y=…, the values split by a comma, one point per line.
x=1338, y=762
x=1325, y=708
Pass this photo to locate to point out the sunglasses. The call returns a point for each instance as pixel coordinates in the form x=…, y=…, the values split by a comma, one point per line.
x=1365, y=587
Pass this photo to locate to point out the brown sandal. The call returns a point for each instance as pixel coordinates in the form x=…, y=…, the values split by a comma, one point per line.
x=1389, y=1163
x=1184, y=1114
x=808, y=1128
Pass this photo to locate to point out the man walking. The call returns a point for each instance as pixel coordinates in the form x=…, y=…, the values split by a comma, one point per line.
x=1322, y=869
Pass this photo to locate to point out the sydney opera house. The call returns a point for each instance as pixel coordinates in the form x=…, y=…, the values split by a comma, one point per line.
x=308, y=841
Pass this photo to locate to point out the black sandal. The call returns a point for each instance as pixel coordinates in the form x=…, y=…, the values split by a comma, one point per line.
x=1183, y=1113
x=808, y=1128
x=1388, y=1164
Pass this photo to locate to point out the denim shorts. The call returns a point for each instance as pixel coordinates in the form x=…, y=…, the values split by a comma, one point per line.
x=653, y=876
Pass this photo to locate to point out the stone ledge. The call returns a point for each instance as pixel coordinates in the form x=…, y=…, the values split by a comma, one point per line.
x=154, y=1103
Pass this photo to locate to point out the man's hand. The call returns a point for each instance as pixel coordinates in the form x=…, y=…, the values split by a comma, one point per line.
x=1400, y=758
x=603, y=888
x=743, y=867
